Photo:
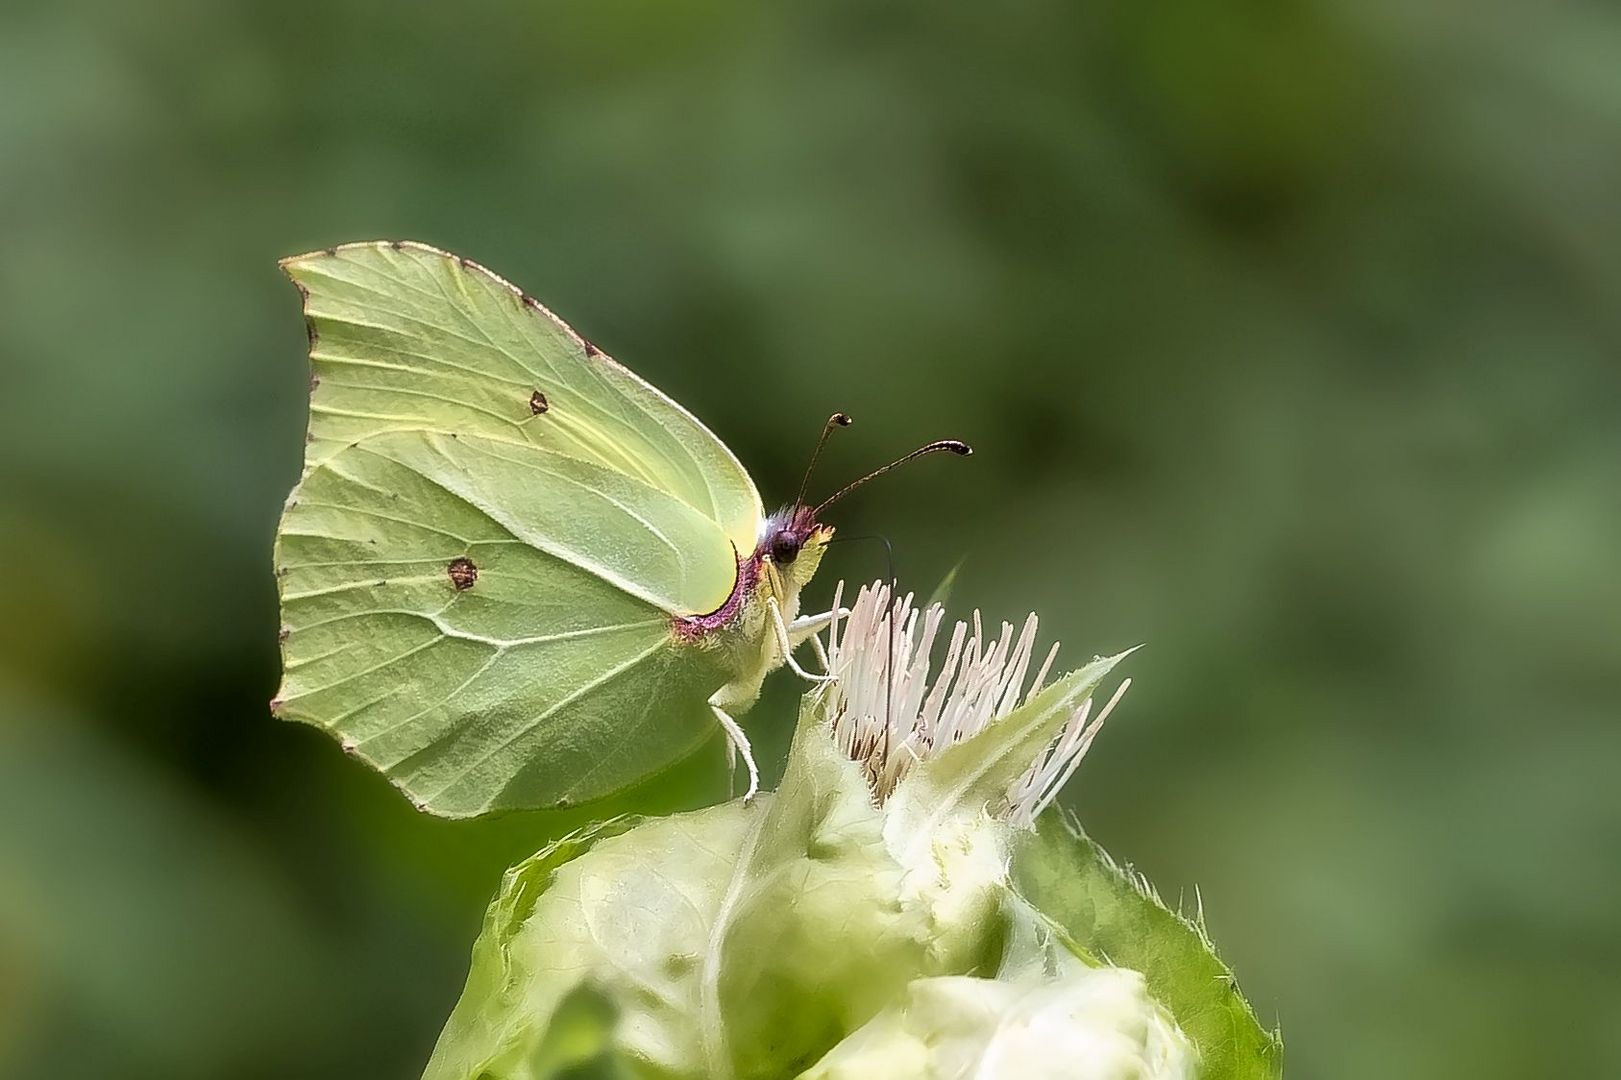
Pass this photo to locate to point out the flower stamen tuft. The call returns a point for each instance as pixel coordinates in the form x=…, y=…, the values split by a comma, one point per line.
x=887, y=714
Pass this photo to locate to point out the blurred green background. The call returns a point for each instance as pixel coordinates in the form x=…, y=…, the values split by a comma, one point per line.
x=1287, y=333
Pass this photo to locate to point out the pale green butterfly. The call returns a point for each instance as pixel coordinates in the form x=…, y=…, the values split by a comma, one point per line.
x=514, y=575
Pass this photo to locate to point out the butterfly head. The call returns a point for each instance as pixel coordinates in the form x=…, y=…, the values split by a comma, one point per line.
x=792, y=541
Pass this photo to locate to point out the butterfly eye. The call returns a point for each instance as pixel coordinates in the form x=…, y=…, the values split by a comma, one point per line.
x=785, y=548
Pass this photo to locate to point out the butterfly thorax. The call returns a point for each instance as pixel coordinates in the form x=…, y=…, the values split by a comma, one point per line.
x=784, y=560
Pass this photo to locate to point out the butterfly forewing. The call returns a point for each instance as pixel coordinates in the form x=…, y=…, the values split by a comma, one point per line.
x=405, y=337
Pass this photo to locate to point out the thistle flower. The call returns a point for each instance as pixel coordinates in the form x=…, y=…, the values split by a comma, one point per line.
x=887, y=714
x=884, y=912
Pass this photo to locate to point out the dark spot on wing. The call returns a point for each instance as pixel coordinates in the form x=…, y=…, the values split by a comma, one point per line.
x=315, y=380
x=590, y=349
x=462, y=573
x=466, y=263
x=538, y=403
x=396, y=245
x=332, y=251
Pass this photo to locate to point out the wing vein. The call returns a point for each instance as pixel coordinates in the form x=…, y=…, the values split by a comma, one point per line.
x=386, y=517
x=646, y=524
x=420, y=713
x=550, y=711
x=564, y=554
x=511, y=420
x=473, y=375
x=353, y=675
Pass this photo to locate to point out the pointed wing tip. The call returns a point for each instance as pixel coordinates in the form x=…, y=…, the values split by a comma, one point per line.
x=289, y=263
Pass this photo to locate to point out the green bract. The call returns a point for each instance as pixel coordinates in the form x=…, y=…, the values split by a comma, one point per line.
x=1114, y=913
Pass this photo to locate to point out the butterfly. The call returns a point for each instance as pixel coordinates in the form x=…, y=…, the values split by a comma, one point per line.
x=514, y=575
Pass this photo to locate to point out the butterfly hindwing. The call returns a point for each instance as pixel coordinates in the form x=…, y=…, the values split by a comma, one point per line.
x=488, y=622
x=406, y=337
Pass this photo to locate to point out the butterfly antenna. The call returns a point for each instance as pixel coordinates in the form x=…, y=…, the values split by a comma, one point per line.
x=838, y=419
x=955, y=446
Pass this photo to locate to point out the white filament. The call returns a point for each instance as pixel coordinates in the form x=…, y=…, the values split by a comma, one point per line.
x=886, y=714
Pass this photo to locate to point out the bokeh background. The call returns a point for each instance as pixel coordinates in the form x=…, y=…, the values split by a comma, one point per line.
x=1287, y=333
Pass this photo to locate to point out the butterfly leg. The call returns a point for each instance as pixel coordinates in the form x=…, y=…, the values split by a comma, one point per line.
x=785, y=643
x=738, y=742
x=806, y=627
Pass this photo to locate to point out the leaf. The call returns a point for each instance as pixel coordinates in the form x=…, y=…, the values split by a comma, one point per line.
x=1085, y=1024
x=1114, y=915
